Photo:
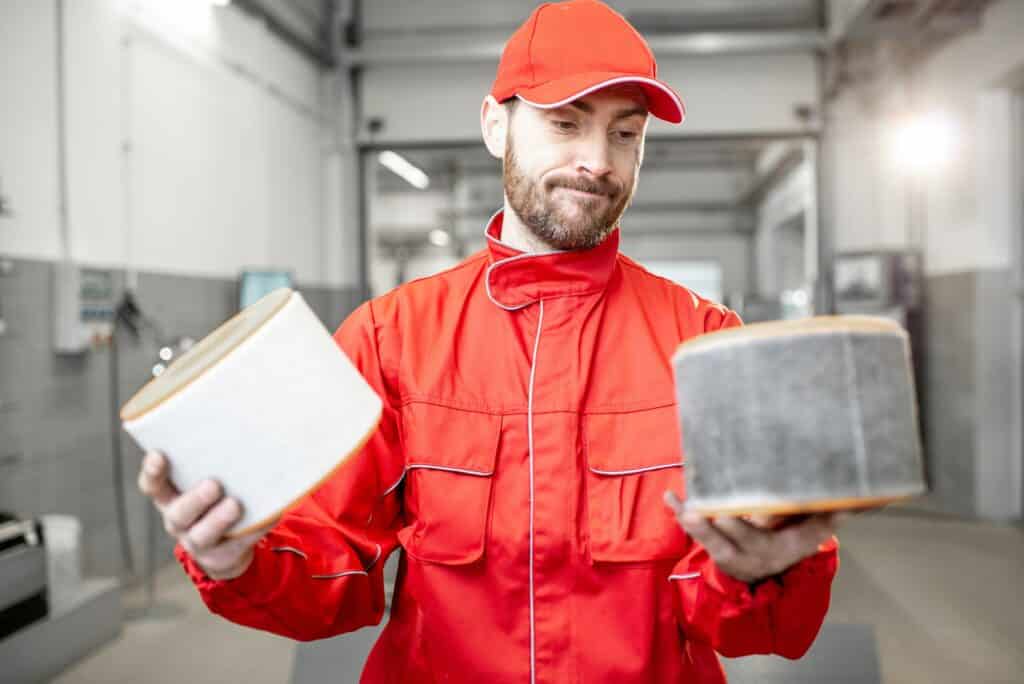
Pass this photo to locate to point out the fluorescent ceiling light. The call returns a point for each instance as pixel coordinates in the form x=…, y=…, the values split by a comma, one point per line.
x=403, y=168
x=924, y=143
x=219, y=3
x=439, y=238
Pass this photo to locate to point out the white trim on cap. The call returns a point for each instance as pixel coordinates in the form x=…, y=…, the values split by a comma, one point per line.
x=610, y=82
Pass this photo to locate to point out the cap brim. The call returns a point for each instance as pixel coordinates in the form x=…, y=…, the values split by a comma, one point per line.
x=662, y=101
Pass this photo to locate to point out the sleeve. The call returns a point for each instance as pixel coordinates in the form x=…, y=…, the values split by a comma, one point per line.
x=781, y=615
x=319, y=571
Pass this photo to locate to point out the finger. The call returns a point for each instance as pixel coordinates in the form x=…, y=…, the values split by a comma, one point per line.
x=186, y=509
x=765, y=521
x=673, y=502
x=227, y=553
x=804, y=539
x=718, y=545
x=825, y=524
x=210, y=528
x=251, y=538
x=153, y=479
x=747, y=538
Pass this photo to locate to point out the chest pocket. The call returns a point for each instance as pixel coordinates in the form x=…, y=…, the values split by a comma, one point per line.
x=449, y=460
x=632, y=458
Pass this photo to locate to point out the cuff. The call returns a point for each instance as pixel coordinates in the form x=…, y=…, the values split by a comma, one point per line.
x=738, y=591
x=820, y=567
x=216, y=593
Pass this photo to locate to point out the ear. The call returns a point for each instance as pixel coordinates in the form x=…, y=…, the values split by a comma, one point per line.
x=494, y=125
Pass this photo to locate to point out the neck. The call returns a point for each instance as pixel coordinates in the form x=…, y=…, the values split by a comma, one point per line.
x=515, y=234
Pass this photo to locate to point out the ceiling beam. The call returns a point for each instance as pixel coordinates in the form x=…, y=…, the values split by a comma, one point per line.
x=463, y=48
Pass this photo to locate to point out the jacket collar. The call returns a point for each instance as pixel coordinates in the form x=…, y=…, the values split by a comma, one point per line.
x=516, y=279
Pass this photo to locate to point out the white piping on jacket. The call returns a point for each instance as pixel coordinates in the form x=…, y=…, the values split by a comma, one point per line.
x=292, y=549
x=465, y=471
x=375, y=558
x=397, y=482
x=352, y=572
x=502, y=262
x=340, y=574
x=689, y=575
x=636, y=470
x=529, y=432
x=506, y=260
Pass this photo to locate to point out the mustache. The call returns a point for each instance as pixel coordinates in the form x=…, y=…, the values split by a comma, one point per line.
x=611, y=189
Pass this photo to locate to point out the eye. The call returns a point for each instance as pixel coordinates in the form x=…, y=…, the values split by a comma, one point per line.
x=626, y=136
x=565, y=126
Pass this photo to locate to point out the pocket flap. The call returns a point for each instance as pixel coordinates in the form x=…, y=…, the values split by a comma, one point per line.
x=450, y=456
x=632, y=459
x=451, y=439
x=625, y=443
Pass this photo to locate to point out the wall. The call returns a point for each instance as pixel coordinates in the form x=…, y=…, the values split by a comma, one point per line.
x=425, y=100
x=195, y=141
x=56, y=446
x=789, y=201
x=963, y=215
x=196, y=144
x=724, y=95
x=652, y=228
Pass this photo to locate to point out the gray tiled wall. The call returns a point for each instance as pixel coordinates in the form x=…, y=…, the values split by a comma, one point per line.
x=970, y=368
x=949, y=390
x=56, y=411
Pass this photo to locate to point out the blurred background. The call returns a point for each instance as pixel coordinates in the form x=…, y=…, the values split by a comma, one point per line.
x=165, y=162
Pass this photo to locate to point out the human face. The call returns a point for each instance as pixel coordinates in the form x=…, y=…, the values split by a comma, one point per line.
x=570, y=172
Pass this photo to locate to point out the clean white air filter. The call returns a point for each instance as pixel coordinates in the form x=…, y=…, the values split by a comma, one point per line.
x=267, y=404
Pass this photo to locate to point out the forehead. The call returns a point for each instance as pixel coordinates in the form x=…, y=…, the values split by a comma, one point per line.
x=627, y=95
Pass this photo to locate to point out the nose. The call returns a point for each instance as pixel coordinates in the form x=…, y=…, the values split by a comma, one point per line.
x=593, y=157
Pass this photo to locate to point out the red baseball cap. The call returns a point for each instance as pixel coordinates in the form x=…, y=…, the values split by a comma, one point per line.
x=566, y=50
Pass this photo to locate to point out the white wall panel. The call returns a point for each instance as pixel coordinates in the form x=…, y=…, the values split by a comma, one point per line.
x=293, y=188
x=197, y=178
x=740, y=94
x=426, y=102
x=392, y=15
x=193, y=139
x=967, y=202
x=28, y=129
x=724, y=95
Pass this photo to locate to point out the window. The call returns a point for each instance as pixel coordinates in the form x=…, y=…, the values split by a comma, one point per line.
x=703, y=276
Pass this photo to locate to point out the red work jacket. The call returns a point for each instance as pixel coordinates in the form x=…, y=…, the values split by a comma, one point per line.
x=528, y=435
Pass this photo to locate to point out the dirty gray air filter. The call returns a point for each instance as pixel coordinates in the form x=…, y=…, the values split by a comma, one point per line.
x=796, y=416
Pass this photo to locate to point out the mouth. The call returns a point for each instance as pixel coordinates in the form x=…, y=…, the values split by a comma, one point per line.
x=583, y=194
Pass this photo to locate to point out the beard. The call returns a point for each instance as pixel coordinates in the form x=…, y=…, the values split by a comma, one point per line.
x=546, y=217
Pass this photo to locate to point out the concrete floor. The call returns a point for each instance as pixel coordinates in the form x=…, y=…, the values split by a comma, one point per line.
x=944, y=599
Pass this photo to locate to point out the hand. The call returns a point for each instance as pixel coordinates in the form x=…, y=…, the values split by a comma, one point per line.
x=757, y=547
x=198, y=520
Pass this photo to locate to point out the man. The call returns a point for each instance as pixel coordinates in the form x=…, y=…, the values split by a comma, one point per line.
x=528, y=459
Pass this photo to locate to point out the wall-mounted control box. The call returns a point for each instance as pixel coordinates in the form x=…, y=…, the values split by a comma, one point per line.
x=83, y=308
